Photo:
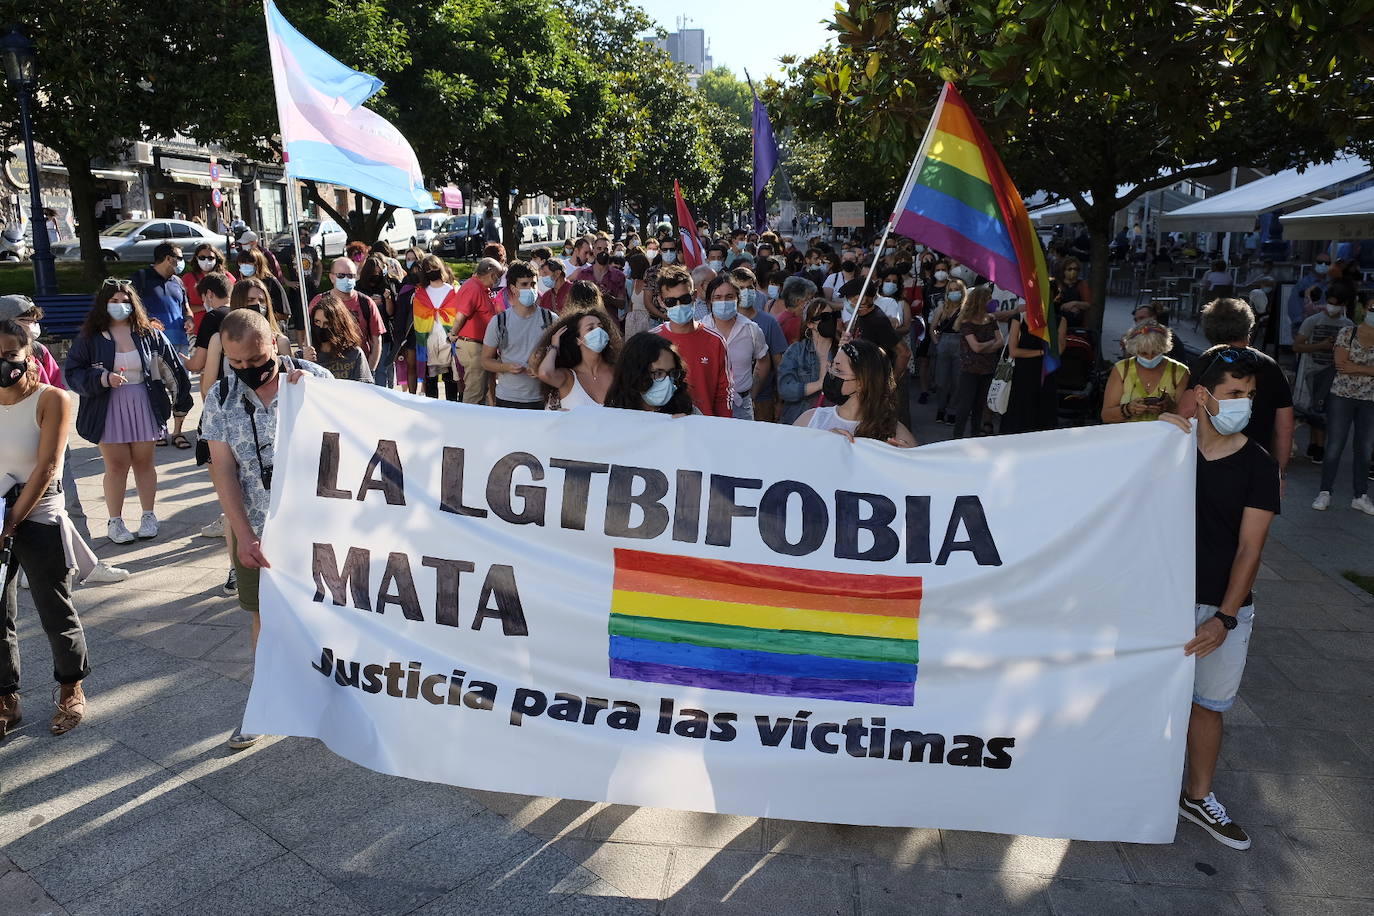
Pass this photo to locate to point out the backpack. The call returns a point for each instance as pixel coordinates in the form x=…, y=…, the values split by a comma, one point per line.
x=502, y=335
x=222, y=394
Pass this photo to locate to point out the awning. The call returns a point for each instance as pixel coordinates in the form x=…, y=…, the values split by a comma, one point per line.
x=1064, y=212
x=108, y=174
x=1238, y=209
x=200, y=179
x=1350, y=216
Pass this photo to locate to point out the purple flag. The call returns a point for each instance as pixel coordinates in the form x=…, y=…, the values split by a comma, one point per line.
x=765, y=162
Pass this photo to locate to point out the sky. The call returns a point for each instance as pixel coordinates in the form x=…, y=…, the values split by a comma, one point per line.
x=749, y=34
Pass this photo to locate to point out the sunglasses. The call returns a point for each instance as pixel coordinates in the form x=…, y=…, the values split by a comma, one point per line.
x=686, y=299
x=117, y=283
x=1230, y=356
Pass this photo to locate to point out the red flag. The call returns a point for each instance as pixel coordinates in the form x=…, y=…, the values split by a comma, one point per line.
x=687, y=232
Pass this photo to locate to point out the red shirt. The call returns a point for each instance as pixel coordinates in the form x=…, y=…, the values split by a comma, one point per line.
x=611, y=284
x=790, y=322
x=708, y=368
x=474, y=303
x=556, y=299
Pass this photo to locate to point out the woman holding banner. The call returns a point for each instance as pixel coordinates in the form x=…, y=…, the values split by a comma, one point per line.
x=576, y=367
x=863, y=395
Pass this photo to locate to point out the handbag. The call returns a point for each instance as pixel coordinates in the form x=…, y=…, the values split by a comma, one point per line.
x=158, y=398
x=438, y=347
x=999, y=392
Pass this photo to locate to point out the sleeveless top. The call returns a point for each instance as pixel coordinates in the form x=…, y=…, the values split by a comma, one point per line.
x=827, y=418
x=1133, y=387
x=578, y=397
x=19, y=433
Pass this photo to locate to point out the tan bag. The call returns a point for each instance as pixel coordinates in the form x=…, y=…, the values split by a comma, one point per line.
x=439, y=347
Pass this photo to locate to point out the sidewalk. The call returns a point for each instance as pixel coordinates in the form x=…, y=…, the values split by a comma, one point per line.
x=142, y=809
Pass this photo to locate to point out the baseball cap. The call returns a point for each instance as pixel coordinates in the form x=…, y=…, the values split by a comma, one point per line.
x=14, y=306
x=248, y=237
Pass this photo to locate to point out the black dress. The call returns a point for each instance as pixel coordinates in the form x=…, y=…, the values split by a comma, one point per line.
x=1033, y=405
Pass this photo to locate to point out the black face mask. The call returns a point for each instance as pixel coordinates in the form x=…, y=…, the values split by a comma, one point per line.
x=323, y=334
x=832, y=388
x=603, y=258
x=11, y=371
x=256, y=376
x=826, y=324
x=433, y=276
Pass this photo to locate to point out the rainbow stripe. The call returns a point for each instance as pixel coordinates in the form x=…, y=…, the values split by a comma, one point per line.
x=761, y=629
x=960, y=200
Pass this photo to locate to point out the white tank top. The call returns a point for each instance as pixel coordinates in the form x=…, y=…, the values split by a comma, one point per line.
x=19, y=433
x=578, y=397
x=826, y=418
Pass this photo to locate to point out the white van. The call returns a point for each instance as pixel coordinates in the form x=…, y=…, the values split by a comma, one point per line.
x=427, y=226
x=400, y=230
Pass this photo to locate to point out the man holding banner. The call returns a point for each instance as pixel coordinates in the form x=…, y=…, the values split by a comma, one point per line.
x=240, y=423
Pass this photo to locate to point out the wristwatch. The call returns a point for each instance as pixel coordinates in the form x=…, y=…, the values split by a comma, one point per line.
x=1227, y=620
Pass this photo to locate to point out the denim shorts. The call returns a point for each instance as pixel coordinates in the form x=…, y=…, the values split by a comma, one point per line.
x=1216, y=679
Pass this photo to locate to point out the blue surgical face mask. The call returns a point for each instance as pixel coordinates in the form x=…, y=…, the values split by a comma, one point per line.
x=668, y=257
x=682, y=314
x=180, y=266
x=596, y=340
x=528, y=297
x=725, y=309
x=889, y=288
x=1232, y=416
x=773, y=291
x=1150, y=363
x=660, y=392
x=345, y=284
x=119, y=311
x=546, y=283
x=248, y=269
x=954, y=295
x=715, y=265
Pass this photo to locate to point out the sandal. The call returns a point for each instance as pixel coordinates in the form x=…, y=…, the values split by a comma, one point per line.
x=70, y=709
x=180, y=441
x=160, y=441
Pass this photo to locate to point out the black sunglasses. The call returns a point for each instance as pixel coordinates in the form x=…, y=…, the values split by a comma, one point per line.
x=1230, y=356
x=687, y=299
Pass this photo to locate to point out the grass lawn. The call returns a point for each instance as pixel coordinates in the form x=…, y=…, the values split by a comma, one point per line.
x=17, y=277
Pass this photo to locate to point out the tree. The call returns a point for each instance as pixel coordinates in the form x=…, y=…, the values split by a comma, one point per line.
x=1084, y=96
x=501, y=98
x=728, y=121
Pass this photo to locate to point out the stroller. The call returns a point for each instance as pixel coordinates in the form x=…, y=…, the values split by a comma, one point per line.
x=1078, y=381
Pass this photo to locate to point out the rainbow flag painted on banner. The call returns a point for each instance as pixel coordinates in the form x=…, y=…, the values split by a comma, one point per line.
x=761, y=629
x=960, y=200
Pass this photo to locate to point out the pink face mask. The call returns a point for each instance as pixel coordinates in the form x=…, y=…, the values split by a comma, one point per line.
x=357, y=259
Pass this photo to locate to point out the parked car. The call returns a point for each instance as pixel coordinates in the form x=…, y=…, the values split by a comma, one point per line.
x=427, y=226
x=135, y=239
x=401, y=230
x=528, y=233
x=326, y=236
x=460, y=237
x=541, y=226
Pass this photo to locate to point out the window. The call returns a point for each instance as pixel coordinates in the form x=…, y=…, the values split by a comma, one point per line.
x=183, y=231
x=157, y=231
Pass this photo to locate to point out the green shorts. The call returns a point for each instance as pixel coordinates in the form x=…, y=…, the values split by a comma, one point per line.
x=247, y=578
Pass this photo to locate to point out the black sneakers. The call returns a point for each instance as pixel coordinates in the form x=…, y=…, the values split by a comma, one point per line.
x=1209, y=814
x=231, y=585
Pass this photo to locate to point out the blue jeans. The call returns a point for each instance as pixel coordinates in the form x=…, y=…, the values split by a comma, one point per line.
x=1341, y=414
x=384, y=376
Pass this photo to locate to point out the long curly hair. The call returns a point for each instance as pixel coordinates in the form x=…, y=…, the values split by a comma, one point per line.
x=877, y=391
x=569, y=351
x=632, y=375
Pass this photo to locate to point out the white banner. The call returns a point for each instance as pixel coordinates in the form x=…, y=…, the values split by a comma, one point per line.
x=724, y=616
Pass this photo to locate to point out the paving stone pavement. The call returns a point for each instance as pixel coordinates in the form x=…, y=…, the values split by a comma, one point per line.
x=142, y=809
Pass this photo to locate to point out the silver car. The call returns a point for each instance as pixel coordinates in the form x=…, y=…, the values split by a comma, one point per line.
x=135, y=239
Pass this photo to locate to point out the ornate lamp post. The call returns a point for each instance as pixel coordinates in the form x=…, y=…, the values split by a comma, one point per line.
x=17, y=53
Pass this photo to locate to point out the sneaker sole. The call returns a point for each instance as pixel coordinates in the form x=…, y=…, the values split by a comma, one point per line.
x=145, y=537
x=1220, y=838
x=240, y=745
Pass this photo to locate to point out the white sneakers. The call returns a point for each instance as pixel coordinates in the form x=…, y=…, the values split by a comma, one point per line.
x=116, y=532
x=1363, y=503
x=104, y=574
x=147, y=526
x=214, y=530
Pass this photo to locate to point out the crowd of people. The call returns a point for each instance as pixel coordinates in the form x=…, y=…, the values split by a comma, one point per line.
x=829, y=337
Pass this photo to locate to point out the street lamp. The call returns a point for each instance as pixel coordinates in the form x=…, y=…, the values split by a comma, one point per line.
x=18, y=55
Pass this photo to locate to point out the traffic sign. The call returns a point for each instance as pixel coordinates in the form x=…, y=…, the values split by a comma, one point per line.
x=217, y=196
x=214, y=172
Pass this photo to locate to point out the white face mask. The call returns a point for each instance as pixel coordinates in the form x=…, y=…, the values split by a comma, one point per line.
x=206, y=264
x=941, y=275
x=1335, y=311
x=1232, y=416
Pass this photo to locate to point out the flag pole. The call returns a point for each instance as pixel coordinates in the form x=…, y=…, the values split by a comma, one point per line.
x=293, y=209
x=906, y=188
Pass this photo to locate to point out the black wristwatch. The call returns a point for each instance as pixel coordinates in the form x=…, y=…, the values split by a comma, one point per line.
x=1227, y=620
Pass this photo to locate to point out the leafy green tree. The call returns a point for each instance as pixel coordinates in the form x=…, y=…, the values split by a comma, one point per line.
x=728, y=121
x=1084, y=96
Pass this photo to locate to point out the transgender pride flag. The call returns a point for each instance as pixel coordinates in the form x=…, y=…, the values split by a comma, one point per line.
x=326, y=132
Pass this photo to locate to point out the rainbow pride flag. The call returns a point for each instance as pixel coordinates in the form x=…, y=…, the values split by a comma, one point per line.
x=768, y=630
x=959, y=199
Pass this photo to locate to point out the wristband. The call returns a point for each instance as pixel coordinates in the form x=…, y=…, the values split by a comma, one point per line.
x=1227, y=620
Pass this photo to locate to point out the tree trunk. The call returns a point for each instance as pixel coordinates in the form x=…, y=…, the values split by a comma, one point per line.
x=82, y=184
x=1099, y=226
x=510, y=225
